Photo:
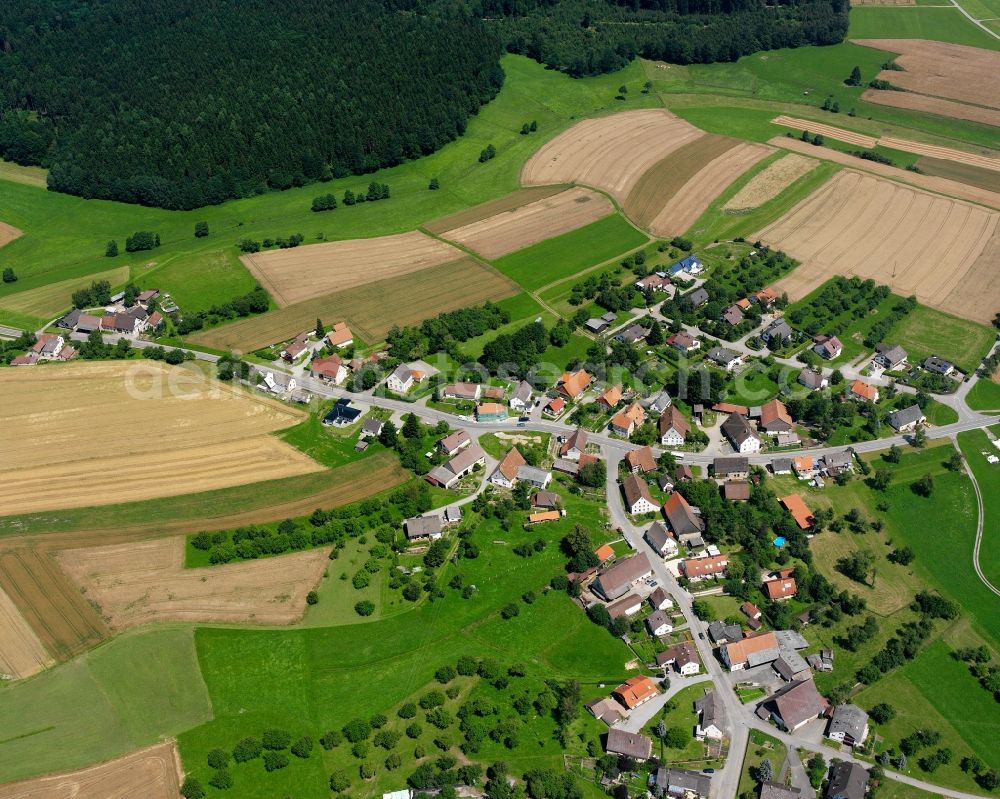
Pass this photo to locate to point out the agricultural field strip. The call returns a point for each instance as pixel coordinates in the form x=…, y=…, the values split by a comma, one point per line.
x=685, y=207
x=219, y=435
x=21, y=652
x=923, y=103
x=141, y=583
x=8, y=233
x=542, y=219
x=151, y=773
x=478, y=213
x=770, y=182
x=916, y=242
x=984, y=161
x=45, y=302
x=301, y=273
x=944, y=186
x=610, y=153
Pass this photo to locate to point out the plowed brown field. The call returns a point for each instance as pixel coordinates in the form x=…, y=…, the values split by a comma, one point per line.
x=697, y=194
x=21, y=653
x=99, y=433
x=929, y=182
x=915, y=242
x=151, y=773
x=302, y=273
x=139, y=583
x=8, y=233
x=770, y=182
x=372, y=309
x=53, y=606
x=611, y=152
x=518, y=228
x=849, y=136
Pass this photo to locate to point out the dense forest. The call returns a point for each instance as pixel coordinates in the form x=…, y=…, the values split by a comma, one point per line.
x=184, y=103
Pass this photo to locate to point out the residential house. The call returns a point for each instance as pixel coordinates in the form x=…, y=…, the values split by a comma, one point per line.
x=684, y=522
x=733, y=315
x=453, y=442
x=462, y=391
x=781, y=466
x=632, y=334
x=778, y=333
x=610, y=398
x=828, y=347
x=520, y=400
x=682, y=656
x=653, y=282
x=794, y=705
x=625, y=422
x=660, y=402
x=796, y=506
x=775, y=419
x=836, y=462
x=554, y=407
x=295, y=347
x=329, y=370
x=154, y=321
x=638, y=500
x=736, y=491
x=741, y=434
x=423, y=527
x=782, y=588
x=340, y=336
x=723, y=633
x=640, y=460
x=661, y=540
x=673, y=427
x=342, y=414
x=505, y=475
x=804, y=467
x=890, y=357
x=545, y=499
x=658, y=623
x=813, y=379
x=695, y=298
x=772, y=790
x=660, y=599
x=848, y=725
x=696, y=569
x=372, y=428
x=452, y=514
x=711, y=717
x=726, y=358
x=617, y=580
x=753, y=614
x=683, y=473
x=48, y=347
x=907, y=419
x=491, y=412
x=533, y=476
x=607, y=710
x=679, y=783
x=596, y=325
x=939, y=366
x=731, y=467
x=458, y=467
x=738, y=654
x=273, y=381
x=574, y=445
x=690, y=266
x=635, y=691
x=403, y=379
x=863, y=391
x=684, y=342
x=630, y=744
x=847, y=780
x=764, y=298
x=572, y=384
x=628, y=605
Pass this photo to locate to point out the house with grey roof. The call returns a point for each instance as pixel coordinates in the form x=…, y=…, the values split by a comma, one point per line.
x=794, y=705
x=631, y=744
x=726, y=358
x=778, y=332
x=741, y=433
x=679, y=783
x=658, y=403
x=520, y=400
x=939, y=366
x=906, y=420
x=632, y=334
x=696, y=298
x=721, y=633
x=597, y=325
x=812, y=379
x=659, y=623
x=661, y=540
x=848, y=780
x=772, y=790
x=890, y=356
x=619, y=579
x=731, y=467
x=423, y=527
x=606, y=709
x=848, y=725
x=711, y=717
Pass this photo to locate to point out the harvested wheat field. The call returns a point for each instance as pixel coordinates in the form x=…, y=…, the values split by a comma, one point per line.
x=697, y=194
x=933, y=105
x=47, y=302
x=98, y=433
x=661, y=183
x=8, y=233
x=915, y=242
x=301, y=273
x=849, y=136
x=983, y=160
x=485, y=210
x=969, y=75
x=518, y=228
x=139, y=583
x=52, y=606
x=770, y=182
x=21, y=653
x=939, y=185
x=611, y=152
x=371, y=310
x=150, y=773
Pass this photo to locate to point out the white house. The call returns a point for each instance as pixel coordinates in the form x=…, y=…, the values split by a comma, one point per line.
x=638, y=500
x=520, y=400
x=711, y=717
x=403, y=379
x=741, y=434
x=658, y=623
x=673, y=427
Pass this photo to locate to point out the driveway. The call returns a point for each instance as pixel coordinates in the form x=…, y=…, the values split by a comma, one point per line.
x=643, y=714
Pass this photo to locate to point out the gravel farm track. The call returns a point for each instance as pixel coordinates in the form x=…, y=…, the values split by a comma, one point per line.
x=150, y=773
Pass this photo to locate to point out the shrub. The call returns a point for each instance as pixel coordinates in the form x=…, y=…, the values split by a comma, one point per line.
x=357, y=730
x=440, y=718
x=467, y=665
x=431, y=699
x=378, y=721
x=339, y=781
x=276, y=739
x=387, y=739
x=222, y=779
x=393, y=761
x=361, y=580
x=303, y=747
x=247, y=749
x=414, y=730
x=367, y=771
x=407, y=711
x=360, y=750
x=192, y=789
x=445, y=674
x=364, y=608
x=509, y=611
x=312, y=598
x=331, y=739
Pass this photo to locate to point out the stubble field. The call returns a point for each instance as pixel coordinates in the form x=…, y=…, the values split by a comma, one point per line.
x=303, y=273
x=769, y=183
x=8, y=233
x=151, y=773
x=21, y=652
x=140, y=583
x=610, y=153
x=515, y=229
x=915, y=242
x=849, y=136
x=97, y=433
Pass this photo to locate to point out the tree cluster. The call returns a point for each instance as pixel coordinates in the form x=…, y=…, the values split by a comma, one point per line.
x=444, y=331
x=254, y=302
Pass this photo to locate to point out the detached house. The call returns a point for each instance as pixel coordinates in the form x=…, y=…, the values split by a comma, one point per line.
x=778, y=333
x=573, y=384
x=696, y=569
x=890, y=357
x=640, y=460
x=673, y=427
x=684, y=342
x=660, y=539
x=629, y=744
x=610, y=398
x=711, y=717
x=452, y=443
x=741, y=434
x=575, y=445
x=939, y=366
x=907, y=419
x=782, y=588
x=863, y=391
x=340, y=336
x=329, y=370
x=635, y=691
x=775, y=419
x=726, y=358
x=403, y=379
x=848, y=725
x=812, y=379
x=794, y=705
x=458, y=467
x=733, y=315
x=296, y=347
x=505, y=475
x=828, y=347
x=683, y=657
x=624, y=423
x=462, y=391
x=638, y=500
x=520, y=400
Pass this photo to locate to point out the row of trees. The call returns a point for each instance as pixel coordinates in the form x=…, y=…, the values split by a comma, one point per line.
x=254, y=302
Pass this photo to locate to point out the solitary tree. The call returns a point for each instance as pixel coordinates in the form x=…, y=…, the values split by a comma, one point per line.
x=111, y=249
x=200, y=230
x=9, y=276
x=320, y=330
x=924, y=486
x=855, y=79
x=434, y=185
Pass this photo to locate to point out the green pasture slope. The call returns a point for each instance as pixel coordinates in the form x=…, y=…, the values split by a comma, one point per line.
x=973, y=445
x=65, y=236
x=566, y=255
